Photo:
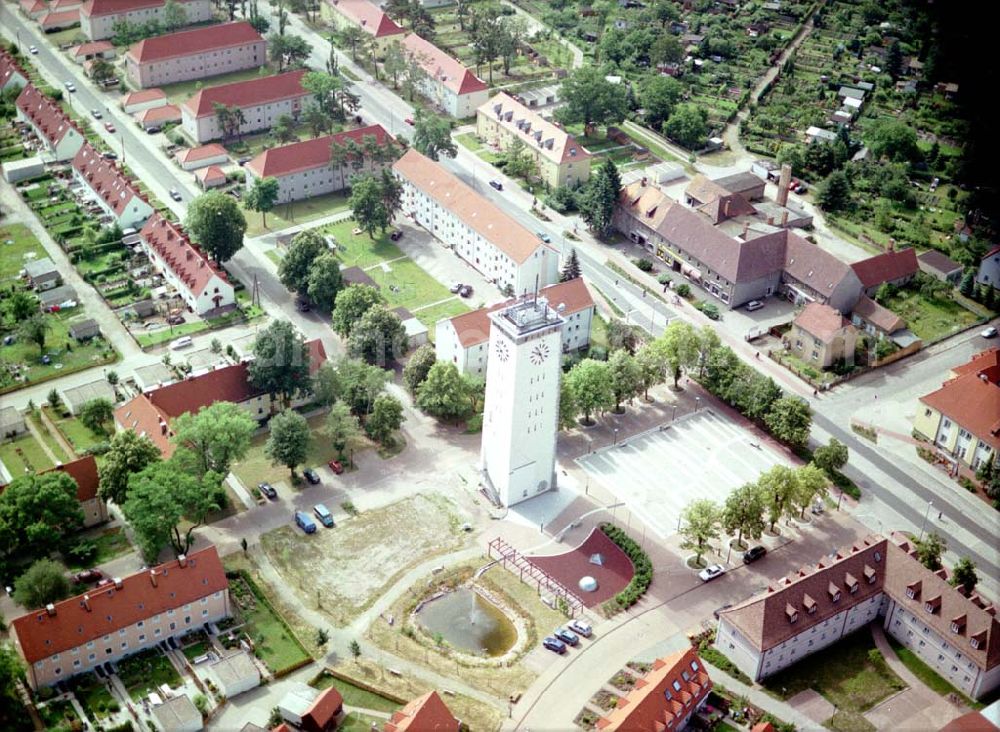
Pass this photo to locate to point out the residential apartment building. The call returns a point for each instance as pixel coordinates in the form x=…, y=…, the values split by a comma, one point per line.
x=464, y=339
x=665, y=699
x=496, y=245
x=365, y=15
x=262, y=101
x=200, y=283
x=194, y=54
x=111, y=188
x=427, y=712
x=122, y=617
x=305, y=169
x=12, y=76
x=989, y=269
x=821, y=336
x=447, y=83
x=962, y=418
x=98, y=17
x=876, y=579
x=58, y=133
x=83, y=471
x=561, y=160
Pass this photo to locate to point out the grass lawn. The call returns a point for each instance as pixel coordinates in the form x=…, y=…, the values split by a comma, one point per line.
x=78, y=435
x=431, y=315
x=16, y=240
x=406, y=284
x=273, y=642
x=926, y=674
x=179, y=92
x=358, y=250
x=23, y=455
x=110, y=543
x=355, y=696
x=59, y=716
x=851, y=674
x=92, y=694
x=168, y=334
x=469, y=141
x=931, y=320
x=145, y=672
x=357, y=722
x=285, y=215
x=50, y=441
x=196, y=649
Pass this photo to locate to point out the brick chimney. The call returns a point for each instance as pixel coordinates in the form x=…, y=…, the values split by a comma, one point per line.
x=182, y=560
x=118, y=583
x=783, y=181
x=890, y=245
x=725, y=210
x=86, y=602
x=746, y=230
x=50, y=609
x=784, y=218
x=153, y=577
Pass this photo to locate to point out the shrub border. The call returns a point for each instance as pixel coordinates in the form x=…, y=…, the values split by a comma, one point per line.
x=641, y=564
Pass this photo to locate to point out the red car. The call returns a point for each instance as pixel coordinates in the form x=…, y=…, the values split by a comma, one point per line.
x=336, y=466
x=88, y=575
x=109, y=127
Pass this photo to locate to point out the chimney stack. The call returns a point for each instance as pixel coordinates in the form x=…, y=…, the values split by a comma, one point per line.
x=891, y=245
x=725, y=210
x=152, y=577
x=118, y=583
x=770, y=221
x=746, y=230
x=51, y=609
x=182, y=560
x=784, y=218
x=86, y=602
x=644, y=181
x=783, y=182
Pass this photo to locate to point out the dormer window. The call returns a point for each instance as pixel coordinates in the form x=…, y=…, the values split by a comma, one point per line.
x=913, y=590
x=809, y=603
x=870, y=575
x=676, y=685
x=792, y=613
x=974, y=642
x=958, y=624
x=933, y=605
x=834, y=592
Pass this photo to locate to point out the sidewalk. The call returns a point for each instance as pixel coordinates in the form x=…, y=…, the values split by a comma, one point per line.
x=758, y=698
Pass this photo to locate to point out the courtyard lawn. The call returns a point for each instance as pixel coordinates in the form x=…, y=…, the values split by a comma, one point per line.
x=110, y=543
x=147, y=671
x=79, y=436
x=24, y=455
x=168, y=334
x=926, y=674
x=286, y=215
x=404, y=283
x=49, y=440
x=358, y=250
x=429, y=316
x=355, y=696
x=358, y=722
x=93, y=695
x=16, y=240
x=182, y=90
x=196, y=649
x=59, y=716
x=931, y=320
x=471, y=142
x=851, y=675
x=273, y=642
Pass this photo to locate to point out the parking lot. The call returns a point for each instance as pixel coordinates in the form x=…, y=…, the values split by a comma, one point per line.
x=656, y=474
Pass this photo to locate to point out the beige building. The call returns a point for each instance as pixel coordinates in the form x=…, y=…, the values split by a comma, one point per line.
x=195, y=54
x=821, y=336
x=58, y=133
x=561, y=160
x=111, y=188
x=365, y=15
x=98, y=17
x=447, y=83
x=125, y=616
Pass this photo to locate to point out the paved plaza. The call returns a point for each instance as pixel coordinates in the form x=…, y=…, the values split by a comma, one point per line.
x=657, y=473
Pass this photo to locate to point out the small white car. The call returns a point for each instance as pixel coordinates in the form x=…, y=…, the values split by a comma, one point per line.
x=580, y=627
x=182, y=342
x=70, y=87
x=754, y=305
x=990, y=332
x=711, y=572
x=175, y=194
x=96, y=113
x=33, y=50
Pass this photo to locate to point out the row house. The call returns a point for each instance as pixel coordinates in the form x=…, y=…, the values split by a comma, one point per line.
x=496, y=245
x=98, y=17
x=59, y=134
x=962, y=418
x=150, y=414
x=305, y=169
x=262, y=101
x=365, y=15
x=57, y=20
x=874, y=580
x=113, y=190
x=34, y=9
x=464, y=339
x=446, y=82
x=202, y=285
x=195, y=54
x=561, y=160
x=893, y=267
x=83, y=471
x=12, y=76
x=123, y=617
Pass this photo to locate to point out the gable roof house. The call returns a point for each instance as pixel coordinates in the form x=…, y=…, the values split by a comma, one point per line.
x=111, y=188
x=365, y=15
x=58, y=133
x=12, y=76
x=821, y=336
x=83, y=471
x=894, y=267
x=875, y=319
x=141, y=99
x=427, y=713
x=938, y=265
x=448, y=84
x=989, y=268
x=199, y=157
x=310, y=709
x=43, y=274
x=98, y=17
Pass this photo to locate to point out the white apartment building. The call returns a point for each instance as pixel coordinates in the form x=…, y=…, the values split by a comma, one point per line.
x=111, y=188
x=98, y=17
x=496, y=245
x=194, y=54
x=448, y=84
x=367, y=16
x=262, y=102
x=58, y=133
x=464, y=339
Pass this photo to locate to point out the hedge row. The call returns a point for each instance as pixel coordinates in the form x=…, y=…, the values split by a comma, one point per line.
x=640, y=561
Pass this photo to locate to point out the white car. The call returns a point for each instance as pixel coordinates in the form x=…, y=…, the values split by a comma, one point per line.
x=175, y=194
x=990, y=332
x=96, y=113
x=580, y=627
x=182, y=342
x=754, y=305
x=711, y=572
x=33, y=50
x=70, y=87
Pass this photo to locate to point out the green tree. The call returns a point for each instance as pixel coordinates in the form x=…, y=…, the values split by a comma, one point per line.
x=649, y=360
x=386, y=418
x=743, y=512
x=442, y=394
x=395, y=63
x=326, y=90
x=379, y=337
x=37, y=512
x=679, y=344
x=45, y=581
x=262, y=197
x=280, y=365
x=326, y=385
x=215, y=221
x=568, y=407
x=325, y=281
x=367, y=205
x=700, y=524
x=834, y=193
x=518, y=162
x=929, y=550
x=12, y=712
x=418, y=366
x=432, y=135
x=128, y=453
x=283, y=131
x=355, y=649
x=352, y=35
x=351, y=304
x=688, y=125
x=658, y=95
x=964, y=575
x=296, y=265
x=341, y=428
x=97, y=414
x=392, y=191
x=590, y=381
x=893, y=139
x=218, y=436
x=811, y=484
x=35, y=329
x=708, y=343
x=666, y=49
x=832, y=456
x=790, y=420
x=360, y=384
x=599, y=198
x=174, y=16
x=101, y=70
x=968, y=284
x=625, y=377
x=779, y=486
x=21, y=305
x=571, y=267
x=289, y=51
x=288, y=442
x=591, y=99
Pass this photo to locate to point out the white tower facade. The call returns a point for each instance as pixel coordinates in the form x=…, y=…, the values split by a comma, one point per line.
x=521, y=412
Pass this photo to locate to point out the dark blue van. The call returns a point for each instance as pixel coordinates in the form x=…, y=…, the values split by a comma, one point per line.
x=305, y=523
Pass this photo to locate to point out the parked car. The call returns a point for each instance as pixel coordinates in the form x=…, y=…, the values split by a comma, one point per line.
x=302, y=304
x=753, y=554
x=323, y=514
x=97, y=113
x=544, y=237
x=305, y=523
x=496, y=184
x=567, y=636
x=311, y=475
x=754, y=305
x=33, y=50
x=336, y=466
x=580, y=627
x=990, y=332
x=711, y=572
x=268, y=490
x=244, y=160
x=456, y=288
x=554, y=644
x=175, y=194
x=110, y=128
x=466, y=291
x=175, y=319
x=396, y=235
x=182, y=342
x=88, y=575
x=109, y=155
x=70, y=86
x=152, y=130
x=409, y=121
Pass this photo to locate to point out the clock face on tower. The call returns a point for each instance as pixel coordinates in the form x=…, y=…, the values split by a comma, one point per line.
x=539, y=353
x=503, y=353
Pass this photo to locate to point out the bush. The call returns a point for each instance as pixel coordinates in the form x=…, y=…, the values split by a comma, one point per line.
x=646, y=265
x=684, y=289
x=83, y=551
x=663, y=279
x=640, y=560
x=710, y=309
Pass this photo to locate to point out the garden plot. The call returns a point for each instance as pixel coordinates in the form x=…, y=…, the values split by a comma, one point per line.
x=348, y=567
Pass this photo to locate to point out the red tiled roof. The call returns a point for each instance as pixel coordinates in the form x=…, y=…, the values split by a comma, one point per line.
x=990, y=253
x=64, y=4
x=84, y=472
x=728, y=206
x=983, y=363
x=970, y=722
x=367, y=16
x=195, y=154
x=474, y=328
x=811, y=265
x=673, y=689
x=166, y=113
x=9, y=67
x=971, y=402
x=441, y=67
x=104, y=610
x=326, y=706
x=190, y=42
x=881, y=317
x=287, y=159
x=535, y=131
x=89, y=49
x=33, y=6
x=45, y=114
x=104, y=178
x=213, y=174
x=60, y=19
x=185, y=259
x=250, y=93
x=317, y=355
x=116, y=7
x=427, y=713
x=142, y=96
x=702, y=189
x=820, y=321
x=886, y=267
x=144, y=418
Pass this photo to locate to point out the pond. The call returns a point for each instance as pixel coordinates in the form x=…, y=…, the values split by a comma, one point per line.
x=469, y=622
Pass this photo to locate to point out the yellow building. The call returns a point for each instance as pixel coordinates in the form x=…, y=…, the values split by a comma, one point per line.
x=367, y=16
x=962, y=418
x=820, y=336
x=561, y=160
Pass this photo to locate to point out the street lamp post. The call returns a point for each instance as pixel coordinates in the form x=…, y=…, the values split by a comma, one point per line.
x=697, y=403
x=616, y=437
x=923, y=525
x=673, y=415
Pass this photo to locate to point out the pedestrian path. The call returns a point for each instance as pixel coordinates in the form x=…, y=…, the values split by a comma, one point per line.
x=782, y=710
